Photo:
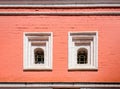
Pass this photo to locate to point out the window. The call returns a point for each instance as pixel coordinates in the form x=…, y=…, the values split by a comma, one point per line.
x=82, y=51
x=39, y=56
x=37, y=51
x=82, y=56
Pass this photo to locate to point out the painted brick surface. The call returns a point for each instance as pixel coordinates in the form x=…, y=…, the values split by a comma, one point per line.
x=11, y=46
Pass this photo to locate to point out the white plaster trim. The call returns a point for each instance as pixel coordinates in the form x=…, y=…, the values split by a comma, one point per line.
x=58, y=6
x=92, y=52
x=59, y=85
x=91, y=13
x=29, y=53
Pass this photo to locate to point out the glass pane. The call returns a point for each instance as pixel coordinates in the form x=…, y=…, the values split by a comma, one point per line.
x=39, y=56
x=82, y=56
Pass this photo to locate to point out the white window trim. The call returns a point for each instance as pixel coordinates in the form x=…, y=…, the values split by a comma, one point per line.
x=29, y=53
x=92, y=52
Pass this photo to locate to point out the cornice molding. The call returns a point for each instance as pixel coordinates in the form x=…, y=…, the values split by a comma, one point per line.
x=90, y=13
x=60, y=84
x=60, y=6
x=58, y=3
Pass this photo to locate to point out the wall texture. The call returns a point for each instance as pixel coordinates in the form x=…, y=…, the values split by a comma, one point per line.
x=11, y=46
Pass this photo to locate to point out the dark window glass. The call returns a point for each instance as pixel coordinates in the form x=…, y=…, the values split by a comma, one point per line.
x=39, y=56
x=82, y=56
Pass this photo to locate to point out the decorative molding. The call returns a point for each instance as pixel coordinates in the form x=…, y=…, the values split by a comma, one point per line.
x=87, y=40
x=58, y=3
x=33, y=40
x=60, y=84
x=63, y=6
x=53, y=2
x=90, y=13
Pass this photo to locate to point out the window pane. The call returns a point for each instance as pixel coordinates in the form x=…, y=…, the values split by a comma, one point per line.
x=39, y=56
x=82, y=56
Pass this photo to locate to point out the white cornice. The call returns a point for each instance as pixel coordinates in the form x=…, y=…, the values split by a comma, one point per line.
x=60, y=84
x=59, y=6
x=90, y=13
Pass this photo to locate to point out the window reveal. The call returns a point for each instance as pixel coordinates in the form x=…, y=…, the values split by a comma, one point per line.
x=83, y=50
x=38, y=50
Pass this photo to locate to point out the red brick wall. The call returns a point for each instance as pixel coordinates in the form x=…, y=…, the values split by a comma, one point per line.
x=11, y=46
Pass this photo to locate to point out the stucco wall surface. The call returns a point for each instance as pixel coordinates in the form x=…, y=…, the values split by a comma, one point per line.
x=11, y=47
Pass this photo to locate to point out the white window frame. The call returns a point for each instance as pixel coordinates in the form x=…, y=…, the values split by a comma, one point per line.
x=92, y=51
x=28, y=59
